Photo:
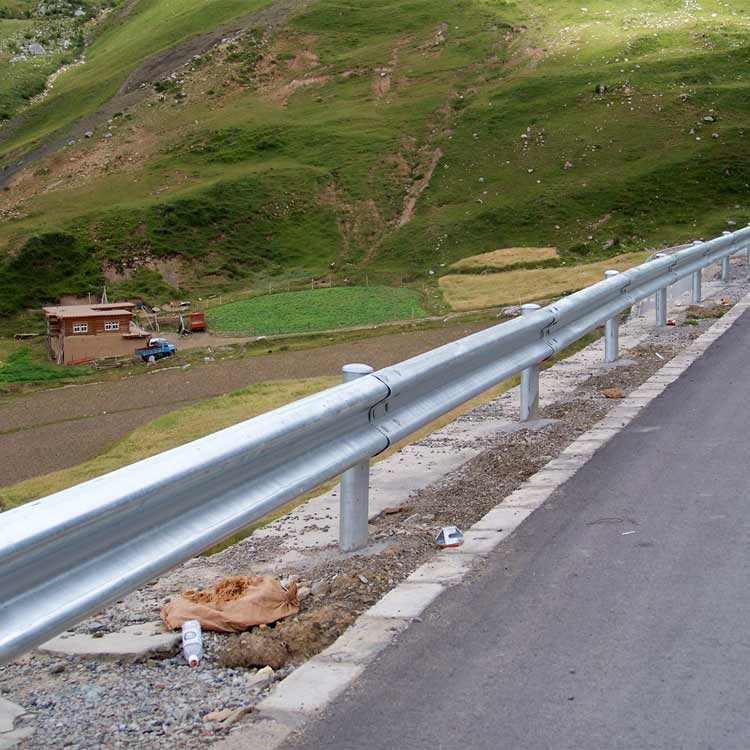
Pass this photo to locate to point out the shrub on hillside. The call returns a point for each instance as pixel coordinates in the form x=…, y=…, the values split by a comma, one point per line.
x=48, y=266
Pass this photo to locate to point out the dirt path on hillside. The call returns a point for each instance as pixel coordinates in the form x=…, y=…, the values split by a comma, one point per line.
x=62, y=427
x=135, y=89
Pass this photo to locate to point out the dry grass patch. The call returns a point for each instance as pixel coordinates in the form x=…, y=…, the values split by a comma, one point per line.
x=474, y=292
x=506, y=256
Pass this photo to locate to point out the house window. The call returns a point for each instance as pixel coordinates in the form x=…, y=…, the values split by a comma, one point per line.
x=112, y=326
x=80, y=327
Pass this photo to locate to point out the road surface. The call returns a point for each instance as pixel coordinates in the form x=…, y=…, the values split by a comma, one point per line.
x=616, y=617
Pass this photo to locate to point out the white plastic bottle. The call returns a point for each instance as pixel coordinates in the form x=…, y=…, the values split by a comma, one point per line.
x=192, y=642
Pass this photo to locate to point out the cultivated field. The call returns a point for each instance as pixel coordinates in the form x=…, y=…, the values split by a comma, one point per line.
x=316, y=310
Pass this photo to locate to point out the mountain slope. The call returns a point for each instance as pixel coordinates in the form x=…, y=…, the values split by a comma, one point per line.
x=386, y=138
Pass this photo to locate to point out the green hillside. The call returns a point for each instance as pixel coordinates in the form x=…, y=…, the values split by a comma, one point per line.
x=387, y=138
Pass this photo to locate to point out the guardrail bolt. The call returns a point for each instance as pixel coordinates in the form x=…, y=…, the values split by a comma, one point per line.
x=529, y=381
x=354, y=503
x=612, y=331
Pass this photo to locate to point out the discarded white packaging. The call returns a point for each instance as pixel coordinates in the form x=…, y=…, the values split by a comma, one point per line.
x=450, y=536
x=192, y=642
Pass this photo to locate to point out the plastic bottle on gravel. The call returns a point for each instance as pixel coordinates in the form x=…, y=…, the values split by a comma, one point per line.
x=192, y=642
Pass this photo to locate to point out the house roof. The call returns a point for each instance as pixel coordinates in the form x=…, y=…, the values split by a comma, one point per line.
x=89, y=311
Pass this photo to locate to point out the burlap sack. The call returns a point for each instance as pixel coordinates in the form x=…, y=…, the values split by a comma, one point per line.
x=234, y=605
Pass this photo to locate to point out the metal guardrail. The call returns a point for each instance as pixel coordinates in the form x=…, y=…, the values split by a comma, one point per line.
x=69, y=554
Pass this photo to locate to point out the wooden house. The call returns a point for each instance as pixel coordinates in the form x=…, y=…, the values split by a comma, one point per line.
x=81, y=333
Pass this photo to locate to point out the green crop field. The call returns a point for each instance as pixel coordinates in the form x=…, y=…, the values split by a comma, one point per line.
x=382, y=136
x=316, y=310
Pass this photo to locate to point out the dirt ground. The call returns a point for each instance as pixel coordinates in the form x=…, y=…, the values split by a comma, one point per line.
x=61, y=427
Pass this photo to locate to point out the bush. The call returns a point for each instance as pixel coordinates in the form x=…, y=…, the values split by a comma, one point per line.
x=48, y=266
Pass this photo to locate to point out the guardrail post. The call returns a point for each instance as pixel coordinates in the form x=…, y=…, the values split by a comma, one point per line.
x=725, y=269
x=612, y=332
x=355, y=488
x=661, y=307
x=697, y=291
x=725, y=264
x=529, y=381
x=661, y=300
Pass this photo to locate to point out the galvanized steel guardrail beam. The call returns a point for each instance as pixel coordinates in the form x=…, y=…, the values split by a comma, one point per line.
x=68, y=555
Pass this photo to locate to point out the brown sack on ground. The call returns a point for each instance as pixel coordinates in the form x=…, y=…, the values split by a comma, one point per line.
x=234, y=605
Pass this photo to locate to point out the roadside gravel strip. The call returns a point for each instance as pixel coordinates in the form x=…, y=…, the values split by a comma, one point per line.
x=353, y=605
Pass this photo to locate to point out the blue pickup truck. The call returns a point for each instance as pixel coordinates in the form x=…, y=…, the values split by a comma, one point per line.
x=156, y=349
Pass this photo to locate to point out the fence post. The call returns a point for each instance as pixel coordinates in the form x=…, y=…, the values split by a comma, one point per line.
x=612, y=331
x=355, y=488
x=529, y=381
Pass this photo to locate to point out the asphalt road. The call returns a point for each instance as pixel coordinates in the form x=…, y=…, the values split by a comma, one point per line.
x=578, y=635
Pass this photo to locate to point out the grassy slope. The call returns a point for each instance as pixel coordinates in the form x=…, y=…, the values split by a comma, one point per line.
x=60, y=34
x=149, y=27
x=243, y=185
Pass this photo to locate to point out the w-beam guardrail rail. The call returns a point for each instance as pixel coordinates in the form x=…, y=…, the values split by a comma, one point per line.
x=69, y=554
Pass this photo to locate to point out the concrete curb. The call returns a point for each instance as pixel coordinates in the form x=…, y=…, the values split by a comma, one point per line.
x=312, y=686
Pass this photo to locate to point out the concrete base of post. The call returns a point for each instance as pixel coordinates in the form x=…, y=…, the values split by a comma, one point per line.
x=354, y=504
